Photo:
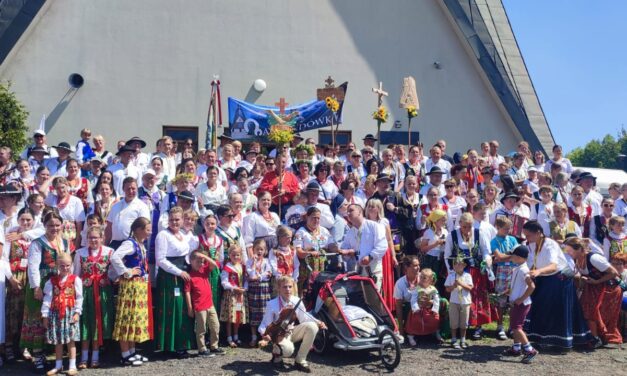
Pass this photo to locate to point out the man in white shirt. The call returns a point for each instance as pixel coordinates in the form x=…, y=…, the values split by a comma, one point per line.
x=312, y=193
x=437, y=160
x=366, y=241
x=123, y=213
x=168, y=157
x=212, y=160
x=305, y=332
x=140, y=160
x=587, y=181
x=123, y=169
x=57, y=166
x=39, y=139
x=435, y=176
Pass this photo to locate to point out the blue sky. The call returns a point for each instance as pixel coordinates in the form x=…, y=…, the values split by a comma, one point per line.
x=576, y=54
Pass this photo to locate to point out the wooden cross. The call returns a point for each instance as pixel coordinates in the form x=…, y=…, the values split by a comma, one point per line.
x=281, y=104
x=380, y=93
x=329, y=82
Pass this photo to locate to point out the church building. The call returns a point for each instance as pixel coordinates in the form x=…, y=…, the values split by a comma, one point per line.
x=144, y=67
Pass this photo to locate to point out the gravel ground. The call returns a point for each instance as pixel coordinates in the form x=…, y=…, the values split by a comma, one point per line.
x=482, y=357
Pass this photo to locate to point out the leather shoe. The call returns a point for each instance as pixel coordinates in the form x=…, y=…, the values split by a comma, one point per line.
x=302, y=367
x=279, y=365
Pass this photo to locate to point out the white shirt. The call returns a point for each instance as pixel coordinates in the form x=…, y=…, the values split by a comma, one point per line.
x=402, y=290
x=430, y=236
x=120, y=173
x=207, y=196
x=122, y=216
x=256, y=269
x=169, y=165
x=518, y=285
x=329, y=189
x=368, y=240
x=255, y=226
x=117, y=257
x=78, y=295
x=442, y=163
x=273, y=310
x=459, y=296
x=306, y=240
x=73, y=211
x=55, y=167
x=551, y=253
x=167, y=245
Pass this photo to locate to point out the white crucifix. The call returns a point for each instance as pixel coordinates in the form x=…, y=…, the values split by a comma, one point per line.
x=380, y=93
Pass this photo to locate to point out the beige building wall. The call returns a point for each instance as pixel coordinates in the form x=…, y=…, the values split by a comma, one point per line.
x=149, y=63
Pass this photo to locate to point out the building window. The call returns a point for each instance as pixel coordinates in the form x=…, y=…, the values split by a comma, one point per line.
x=180, y=134
x=341, y=138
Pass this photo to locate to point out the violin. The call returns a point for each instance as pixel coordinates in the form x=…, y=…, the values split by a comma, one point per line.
x=279, y=327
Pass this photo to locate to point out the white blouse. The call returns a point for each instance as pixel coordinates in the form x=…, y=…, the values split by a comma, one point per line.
x=306, y=240
x=73, y=211
x=259, y=269
x=78, y=302
x=550, y=253
x=167, y=245
x=86, y=252
x=256, y=226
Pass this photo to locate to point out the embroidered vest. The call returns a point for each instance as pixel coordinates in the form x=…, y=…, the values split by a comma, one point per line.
x=63, y=294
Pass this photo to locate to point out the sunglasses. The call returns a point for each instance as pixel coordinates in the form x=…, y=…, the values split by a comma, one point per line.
x=449, y=186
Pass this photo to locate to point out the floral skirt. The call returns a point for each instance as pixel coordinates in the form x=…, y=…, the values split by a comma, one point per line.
x=62, y=331
x=15, y=308
x=258, y=295
x=234, y=308
x=175, y=329
x=33, y=331
x=133, y=315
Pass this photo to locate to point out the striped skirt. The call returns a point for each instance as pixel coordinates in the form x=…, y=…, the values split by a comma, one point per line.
x=258, y=295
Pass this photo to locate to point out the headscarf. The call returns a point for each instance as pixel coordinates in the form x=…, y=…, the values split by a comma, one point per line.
x=435, y=216
x=336, y=203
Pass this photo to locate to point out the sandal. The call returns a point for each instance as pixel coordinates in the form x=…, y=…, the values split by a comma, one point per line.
x=82, y=365
x=232, y=344
x=94, y=365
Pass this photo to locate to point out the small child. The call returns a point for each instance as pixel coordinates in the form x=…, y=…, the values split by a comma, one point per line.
x=61, y=310
x=259, y=289
x=502, y=245
x=91, y=263
x=91, y=221
x=459, y=284
x=200, y=303
x=283, y=259
x=210, y=245
x=519, y=296
x=84, y=152
x=425, y=306
x=619, y=262
x=233, y=310
x=617, y=240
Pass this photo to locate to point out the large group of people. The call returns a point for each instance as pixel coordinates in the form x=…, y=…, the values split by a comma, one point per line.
x=186, y=249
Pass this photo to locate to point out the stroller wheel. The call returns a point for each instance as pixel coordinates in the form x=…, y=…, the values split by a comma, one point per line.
x=390, y=350
x=320, y=342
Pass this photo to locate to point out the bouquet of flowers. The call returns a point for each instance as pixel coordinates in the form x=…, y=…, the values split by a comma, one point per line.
x=332, y=104
x=412, y=112
x=381, y=114
x=281, y=134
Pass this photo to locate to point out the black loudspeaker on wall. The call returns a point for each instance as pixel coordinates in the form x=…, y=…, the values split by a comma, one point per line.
x=76, y=80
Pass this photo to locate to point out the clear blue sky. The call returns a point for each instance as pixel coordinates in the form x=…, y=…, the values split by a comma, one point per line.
x=576, y=54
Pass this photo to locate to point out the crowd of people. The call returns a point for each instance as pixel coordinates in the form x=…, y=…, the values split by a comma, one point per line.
x=173, y=247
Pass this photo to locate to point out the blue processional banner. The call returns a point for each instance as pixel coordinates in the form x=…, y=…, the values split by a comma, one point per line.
x=248, y=121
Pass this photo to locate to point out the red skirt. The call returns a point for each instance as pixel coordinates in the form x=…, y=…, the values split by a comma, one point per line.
x=481, y=311
x=422, y=322
x=601, y=304
x=387, y=285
